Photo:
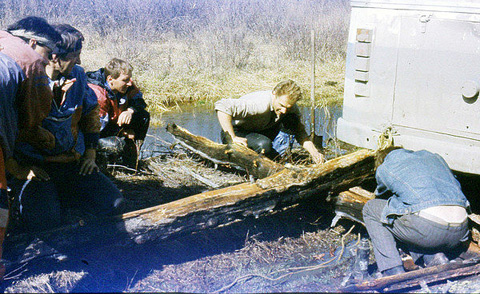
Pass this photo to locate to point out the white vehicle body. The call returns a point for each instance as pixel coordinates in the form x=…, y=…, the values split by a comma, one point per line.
x=413, y=67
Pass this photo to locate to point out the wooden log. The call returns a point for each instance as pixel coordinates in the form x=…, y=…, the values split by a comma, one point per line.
x=349, y=204
x=414, y=278
x=215, y=208
x=232, y=154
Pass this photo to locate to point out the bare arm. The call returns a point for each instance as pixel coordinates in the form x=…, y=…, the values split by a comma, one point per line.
x=225, y=121
x=316, y=155
x=306, y=143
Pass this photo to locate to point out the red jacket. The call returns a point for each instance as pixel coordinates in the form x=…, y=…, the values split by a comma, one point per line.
x=113, y=107
x=35, y=97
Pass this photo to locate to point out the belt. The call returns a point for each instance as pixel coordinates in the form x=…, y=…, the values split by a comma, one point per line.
x=438, y=220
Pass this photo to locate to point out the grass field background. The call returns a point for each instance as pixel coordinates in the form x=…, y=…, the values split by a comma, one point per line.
x=200, y=51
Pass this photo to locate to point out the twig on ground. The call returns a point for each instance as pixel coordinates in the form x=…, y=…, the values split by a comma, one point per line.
x=130, y=169
x=200, y=178
x=9, y=276
x=301, y=269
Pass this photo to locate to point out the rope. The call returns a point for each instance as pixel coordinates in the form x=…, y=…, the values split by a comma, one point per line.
x=385, y=139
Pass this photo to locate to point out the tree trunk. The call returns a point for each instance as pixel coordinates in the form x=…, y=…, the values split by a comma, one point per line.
x=215, y=208
x=236, y=155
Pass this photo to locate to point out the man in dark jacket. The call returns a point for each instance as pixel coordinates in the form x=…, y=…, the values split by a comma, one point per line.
x=426, y=210
x=68, y=173
x=122, y=107
x=25, y=99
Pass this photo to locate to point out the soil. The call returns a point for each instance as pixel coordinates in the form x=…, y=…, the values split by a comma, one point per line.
x=292, y=250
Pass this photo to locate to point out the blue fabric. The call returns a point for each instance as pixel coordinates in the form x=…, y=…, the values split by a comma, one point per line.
x=418, y=236
x=11, y=75
x=59, y=121
x=418, y=180
x=282, y=142
x=42, y=203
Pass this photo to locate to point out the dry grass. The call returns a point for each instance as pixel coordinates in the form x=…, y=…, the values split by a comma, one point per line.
x=204, y=50
x=54, y=282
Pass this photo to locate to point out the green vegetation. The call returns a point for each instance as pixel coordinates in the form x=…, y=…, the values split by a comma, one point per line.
x=203, y=50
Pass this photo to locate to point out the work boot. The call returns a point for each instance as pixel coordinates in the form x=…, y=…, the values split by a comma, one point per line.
x=130, y=155
x=435, y=259
x=392, y=271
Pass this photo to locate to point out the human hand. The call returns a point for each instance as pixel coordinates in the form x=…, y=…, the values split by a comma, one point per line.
x=87, y=164
x=240, y=140
x=68, y=84
x=125, y=117
x=30, y=173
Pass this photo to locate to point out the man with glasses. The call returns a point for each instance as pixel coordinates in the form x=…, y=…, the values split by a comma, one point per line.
x=25, y=100
x=70, y=176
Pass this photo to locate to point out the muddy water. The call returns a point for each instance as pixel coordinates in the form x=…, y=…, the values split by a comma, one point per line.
x=202, y=120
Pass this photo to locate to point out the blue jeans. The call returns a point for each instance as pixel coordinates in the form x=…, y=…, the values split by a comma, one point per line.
x=42, y=203
x=419, y=236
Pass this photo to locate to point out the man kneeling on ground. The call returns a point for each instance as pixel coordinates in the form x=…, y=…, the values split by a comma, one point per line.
x=122, y=109
x=426, y=211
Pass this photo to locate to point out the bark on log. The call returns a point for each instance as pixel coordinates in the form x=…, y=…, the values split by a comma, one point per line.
x=215, y=208
x=349, y=204
x=236, y=155
x=414, y=278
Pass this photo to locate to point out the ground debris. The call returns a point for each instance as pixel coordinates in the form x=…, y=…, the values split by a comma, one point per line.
x=254, y=252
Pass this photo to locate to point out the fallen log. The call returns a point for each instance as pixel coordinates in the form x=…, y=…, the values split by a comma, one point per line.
x=232, y=154
x=212, y=208
x=349, y=204
x=416, y=277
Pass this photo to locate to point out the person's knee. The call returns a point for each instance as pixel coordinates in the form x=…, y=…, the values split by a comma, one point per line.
x=259, y=143
x=264, y=147
x=368, y=208
x=41, y=218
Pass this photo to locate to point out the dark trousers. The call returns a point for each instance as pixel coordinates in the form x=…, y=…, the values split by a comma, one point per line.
x=42, y=203
x=139, y=124
x=418, y=236
x=271, y=142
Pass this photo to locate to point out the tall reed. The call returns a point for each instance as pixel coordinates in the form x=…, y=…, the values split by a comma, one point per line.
x=203, y=50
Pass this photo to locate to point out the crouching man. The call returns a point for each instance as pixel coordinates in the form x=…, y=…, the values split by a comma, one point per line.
x=122, y=109
x=66, y=174
x=426, y=210
x=266, y=121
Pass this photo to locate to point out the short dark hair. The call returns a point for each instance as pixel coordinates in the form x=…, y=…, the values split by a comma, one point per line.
x=71, y=39
x=116, y=67
x=34, y=26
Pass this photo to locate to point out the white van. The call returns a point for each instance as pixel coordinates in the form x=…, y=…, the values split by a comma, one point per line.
x=413, y=67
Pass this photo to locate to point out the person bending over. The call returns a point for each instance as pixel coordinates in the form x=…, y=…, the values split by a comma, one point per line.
x=266, y=121
x=424, y=210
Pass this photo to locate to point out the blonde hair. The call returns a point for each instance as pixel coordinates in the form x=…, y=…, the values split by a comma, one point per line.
x=289, y=88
